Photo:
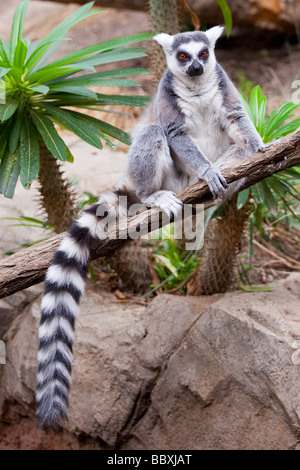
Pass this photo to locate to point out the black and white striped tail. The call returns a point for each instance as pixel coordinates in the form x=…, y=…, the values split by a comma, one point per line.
x=65, y=281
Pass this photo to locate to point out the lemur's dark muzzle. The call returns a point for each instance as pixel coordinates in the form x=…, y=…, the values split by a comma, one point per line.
x=195, y=69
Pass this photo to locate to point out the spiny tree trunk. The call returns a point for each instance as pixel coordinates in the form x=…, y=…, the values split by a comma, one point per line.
x=222, y=244
x=57, y=197
x=164, y=19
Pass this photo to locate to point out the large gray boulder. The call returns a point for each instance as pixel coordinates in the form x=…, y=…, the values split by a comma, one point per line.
x=218, y=372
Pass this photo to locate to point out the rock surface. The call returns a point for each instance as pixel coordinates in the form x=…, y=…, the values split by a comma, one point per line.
x=218, y=372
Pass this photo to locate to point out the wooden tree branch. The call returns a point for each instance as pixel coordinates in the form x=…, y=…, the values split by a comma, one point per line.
x=28, y=266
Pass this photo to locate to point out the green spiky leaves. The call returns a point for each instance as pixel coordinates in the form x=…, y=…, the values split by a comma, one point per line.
x=278, y=192
x=227, y=15
x=276, y=125
x=35, y=94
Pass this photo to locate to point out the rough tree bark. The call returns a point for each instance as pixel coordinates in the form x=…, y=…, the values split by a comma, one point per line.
x=28, y=266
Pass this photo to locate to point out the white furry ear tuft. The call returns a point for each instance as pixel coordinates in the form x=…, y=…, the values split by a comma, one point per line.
x=214, y=33
x=165, y=40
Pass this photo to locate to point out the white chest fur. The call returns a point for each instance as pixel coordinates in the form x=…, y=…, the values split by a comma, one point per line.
x=203, y=117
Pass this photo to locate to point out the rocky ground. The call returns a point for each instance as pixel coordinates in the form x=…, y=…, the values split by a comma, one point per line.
x=211, y=372
x=217, y=372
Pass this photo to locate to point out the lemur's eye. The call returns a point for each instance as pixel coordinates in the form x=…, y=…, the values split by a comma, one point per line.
x=204, y=54
x=182, y=56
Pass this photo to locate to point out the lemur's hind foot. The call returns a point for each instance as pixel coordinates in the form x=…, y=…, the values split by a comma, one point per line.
x=165, y=200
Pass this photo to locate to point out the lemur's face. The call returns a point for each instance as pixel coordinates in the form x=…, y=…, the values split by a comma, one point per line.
x=190, y=54
x=190, y=58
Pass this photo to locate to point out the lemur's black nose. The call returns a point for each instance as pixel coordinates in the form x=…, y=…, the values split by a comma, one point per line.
x=195, y=68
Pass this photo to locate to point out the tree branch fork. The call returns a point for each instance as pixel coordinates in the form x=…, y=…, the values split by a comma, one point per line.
x=28, y=266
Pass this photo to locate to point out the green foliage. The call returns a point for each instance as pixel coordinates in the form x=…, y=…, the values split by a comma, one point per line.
x=171, y=263
x=87, y=198
x=276, y=199
x=226, y=15
x=27, y=222
x=244, y=85
x=30, y=222
x=280, y=189
x=274, y=126
x=37, y=96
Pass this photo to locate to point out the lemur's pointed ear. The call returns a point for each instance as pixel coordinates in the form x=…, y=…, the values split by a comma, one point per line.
x=165, y=40
x=214, y=33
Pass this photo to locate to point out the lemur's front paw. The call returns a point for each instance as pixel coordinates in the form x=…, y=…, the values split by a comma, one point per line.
x=265, y=147
x=216, y=182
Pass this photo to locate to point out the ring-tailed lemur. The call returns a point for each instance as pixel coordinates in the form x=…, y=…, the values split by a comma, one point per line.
x=194, y=125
